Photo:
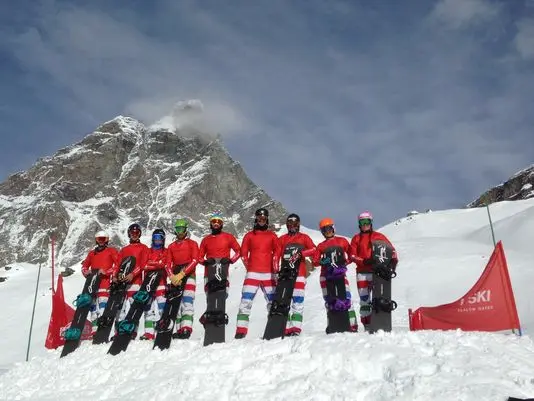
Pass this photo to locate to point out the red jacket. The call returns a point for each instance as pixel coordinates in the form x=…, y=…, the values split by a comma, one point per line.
x=104, y=260
x=360, y=249
x=140, y=252
x=327, y=243
x=183, y=252
x=218, y=246
x=297, y=238
x=259, y=251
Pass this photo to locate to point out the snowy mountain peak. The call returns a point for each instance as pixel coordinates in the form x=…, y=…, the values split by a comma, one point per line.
x=121, y=173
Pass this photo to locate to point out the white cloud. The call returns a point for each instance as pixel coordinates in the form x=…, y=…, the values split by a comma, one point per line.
x=524, y=40
x=462, y=13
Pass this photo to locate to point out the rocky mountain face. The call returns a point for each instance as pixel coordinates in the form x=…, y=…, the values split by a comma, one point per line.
x=122, y=173
x=519, y=186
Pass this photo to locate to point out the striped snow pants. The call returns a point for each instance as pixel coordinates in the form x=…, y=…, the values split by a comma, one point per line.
x=184, y=320
x=253, y=281
x=294, y=321
x=364, y=281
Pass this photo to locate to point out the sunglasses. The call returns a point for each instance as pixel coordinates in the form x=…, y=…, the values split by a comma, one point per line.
x=180, y=230
x=101, y=239
x=327, y=229
x=364, y=222
x=216, y=221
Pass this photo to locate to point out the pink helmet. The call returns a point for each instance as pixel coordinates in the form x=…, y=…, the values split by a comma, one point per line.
x=365, y=215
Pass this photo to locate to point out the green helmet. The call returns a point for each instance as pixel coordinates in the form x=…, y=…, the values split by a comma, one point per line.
x=180, y=226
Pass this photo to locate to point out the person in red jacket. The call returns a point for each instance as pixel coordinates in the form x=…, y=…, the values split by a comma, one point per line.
x=157, y=260
x=104, y=259
x=327, y=228
x=140, y=251
x=182, y=263
x=259, y=252
x=217, y=244
x=361, y=253
x=295, y=237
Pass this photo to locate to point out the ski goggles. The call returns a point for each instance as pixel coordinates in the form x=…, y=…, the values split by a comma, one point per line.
x=364, y=222
x=158, y=238
x=101, y=239
x=327, y=229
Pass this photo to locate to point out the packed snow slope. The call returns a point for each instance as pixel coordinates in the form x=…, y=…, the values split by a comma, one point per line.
x=441, y=256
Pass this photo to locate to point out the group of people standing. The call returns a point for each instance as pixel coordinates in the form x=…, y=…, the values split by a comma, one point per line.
x=260, y=251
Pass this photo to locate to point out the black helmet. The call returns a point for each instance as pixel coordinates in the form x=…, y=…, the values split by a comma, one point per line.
x=293, y=217
x=134, y=227
x=262, y=212
x=293, y=223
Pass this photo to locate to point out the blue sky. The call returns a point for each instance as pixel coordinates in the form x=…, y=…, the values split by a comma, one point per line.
x=332, y=107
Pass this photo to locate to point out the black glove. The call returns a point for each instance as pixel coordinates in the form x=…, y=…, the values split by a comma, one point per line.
x=368, y=262
x=209, y=262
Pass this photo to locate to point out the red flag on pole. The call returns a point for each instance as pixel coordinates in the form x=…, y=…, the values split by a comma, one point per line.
x=488, y=306
x=61, y=318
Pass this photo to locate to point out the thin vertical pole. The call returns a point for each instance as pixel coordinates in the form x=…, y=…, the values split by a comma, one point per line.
x=35, y=300
x=491, y=226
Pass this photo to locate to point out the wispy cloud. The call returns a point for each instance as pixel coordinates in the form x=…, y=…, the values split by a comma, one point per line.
x=331, y=107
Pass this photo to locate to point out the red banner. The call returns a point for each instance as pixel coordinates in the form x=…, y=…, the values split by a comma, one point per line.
x=61, y=318
x=488, y=306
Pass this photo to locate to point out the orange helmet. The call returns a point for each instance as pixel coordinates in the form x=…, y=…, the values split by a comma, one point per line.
x=326, y=222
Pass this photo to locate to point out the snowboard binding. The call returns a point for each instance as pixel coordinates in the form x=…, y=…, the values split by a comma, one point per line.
x=126, y=327
x=385, y=272
x=141, y=297
x=279, y=309
x=214, y=317
x=384, y=305
x=335, y=272
x=338, y=305
x=83, y=300
x=164, y=324
x=72, y=333
x=216, y=285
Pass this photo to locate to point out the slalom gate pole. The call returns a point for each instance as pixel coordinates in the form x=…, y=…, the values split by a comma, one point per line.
x=491, y=226
x=35, y=300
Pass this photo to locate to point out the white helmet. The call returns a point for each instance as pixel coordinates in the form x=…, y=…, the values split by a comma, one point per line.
x=102, y=234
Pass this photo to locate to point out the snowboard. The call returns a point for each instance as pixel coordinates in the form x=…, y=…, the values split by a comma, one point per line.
x=383, y=273
x=165, y=325
x=117, y=293
x=280, y=306
x=141, y=298
x=83, y=306
x=336, y=302
x=215, y=318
